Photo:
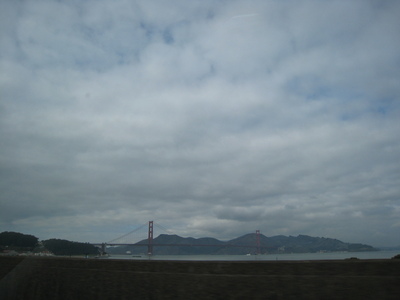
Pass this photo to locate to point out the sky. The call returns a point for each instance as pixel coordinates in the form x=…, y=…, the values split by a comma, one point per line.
x=212, y=118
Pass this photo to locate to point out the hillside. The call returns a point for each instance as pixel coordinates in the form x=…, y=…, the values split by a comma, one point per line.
x=175, y=245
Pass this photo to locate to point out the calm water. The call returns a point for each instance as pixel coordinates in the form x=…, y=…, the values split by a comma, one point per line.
x=268, y=257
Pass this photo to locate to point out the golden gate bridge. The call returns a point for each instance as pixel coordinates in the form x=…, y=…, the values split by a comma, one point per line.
x=150, y=244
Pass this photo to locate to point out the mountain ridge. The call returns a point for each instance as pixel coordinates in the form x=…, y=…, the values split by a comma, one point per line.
x=165, y=244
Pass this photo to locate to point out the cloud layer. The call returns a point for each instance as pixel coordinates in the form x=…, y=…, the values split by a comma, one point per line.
x=213, y=118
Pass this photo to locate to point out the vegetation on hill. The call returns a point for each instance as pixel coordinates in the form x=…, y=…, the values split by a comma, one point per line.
x=186, y=246
x=64, y=247
x=241, y=245
x=24, y=242
x=16, y=240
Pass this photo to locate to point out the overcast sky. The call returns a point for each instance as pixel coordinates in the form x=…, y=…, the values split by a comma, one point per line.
x=212, y=118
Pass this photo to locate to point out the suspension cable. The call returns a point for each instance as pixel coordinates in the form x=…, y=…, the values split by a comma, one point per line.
x=122, y=236
x=163, y=228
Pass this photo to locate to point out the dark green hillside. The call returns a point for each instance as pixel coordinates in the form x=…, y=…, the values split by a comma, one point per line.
x=304, y=243
x=64, y=247
x=241, y=245
x=16, y=240
x=189, y=246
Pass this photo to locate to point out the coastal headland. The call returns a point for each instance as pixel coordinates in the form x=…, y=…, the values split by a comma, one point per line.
x=76, y=278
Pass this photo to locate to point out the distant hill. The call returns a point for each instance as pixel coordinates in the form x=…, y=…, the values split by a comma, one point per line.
x=241, y=245
x=17, y=241
x=65, y=247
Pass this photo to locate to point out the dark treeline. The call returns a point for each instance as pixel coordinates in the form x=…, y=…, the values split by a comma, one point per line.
x=25, y=242
x=18, y=240
x=64, y=247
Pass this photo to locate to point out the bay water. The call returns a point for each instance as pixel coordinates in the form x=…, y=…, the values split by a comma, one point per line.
x=267, y=257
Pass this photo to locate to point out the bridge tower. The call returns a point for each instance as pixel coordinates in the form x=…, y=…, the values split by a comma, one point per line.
x=258, y=244
x=103, y=249
x=150, y=239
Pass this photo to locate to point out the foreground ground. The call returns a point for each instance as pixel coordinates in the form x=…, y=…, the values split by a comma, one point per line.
x=66, y=278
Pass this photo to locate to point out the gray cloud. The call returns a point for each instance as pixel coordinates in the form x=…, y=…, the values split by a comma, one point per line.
x=283, y=120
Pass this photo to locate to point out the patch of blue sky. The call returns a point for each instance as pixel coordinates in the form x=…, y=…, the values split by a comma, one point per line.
x=148, y=30
x=385, y=106
x=382, y=110
x=169, y=33
x=168, y=37
x=367, y=107
x=310, y=87
x=349, y=116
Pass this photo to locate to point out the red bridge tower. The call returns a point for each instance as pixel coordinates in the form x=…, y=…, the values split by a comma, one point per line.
x=150, y=239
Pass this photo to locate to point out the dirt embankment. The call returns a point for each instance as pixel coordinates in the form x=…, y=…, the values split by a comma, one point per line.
x=66, y=278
